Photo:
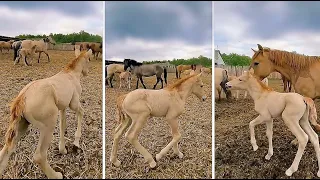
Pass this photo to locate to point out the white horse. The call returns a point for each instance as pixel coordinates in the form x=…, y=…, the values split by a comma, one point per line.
x=294, y=109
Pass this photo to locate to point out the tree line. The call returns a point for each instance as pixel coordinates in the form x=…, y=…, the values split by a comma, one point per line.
x=81, y=36
x=204, y=61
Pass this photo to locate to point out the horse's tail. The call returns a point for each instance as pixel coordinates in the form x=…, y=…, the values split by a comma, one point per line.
x=223, y=83
x=15, y=50
x=176, y=72
x=311, y=108
x=16, y=114
x=165, y=75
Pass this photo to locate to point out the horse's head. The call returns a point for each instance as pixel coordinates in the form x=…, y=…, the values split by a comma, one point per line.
x=239, y=83
x=127, y=63
x=261, y=62
x=49, y=40
x=85, y=65
x=197, y=88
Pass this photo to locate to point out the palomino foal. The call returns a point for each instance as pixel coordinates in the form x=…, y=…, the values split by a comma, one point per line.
x=294, y=109
x=39, y=103
x=136, y=107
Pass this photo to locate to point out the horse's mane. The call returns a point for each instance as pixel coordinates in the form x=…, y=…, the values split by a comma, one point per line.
x=178, y=83
x=263, y=86
x=294, y=60
x=72, y=64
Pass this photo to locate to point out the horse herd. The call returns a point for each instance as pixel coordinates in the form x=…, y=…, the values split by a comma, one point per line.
x=137, y=106
x=23, y=49
x=297, y=108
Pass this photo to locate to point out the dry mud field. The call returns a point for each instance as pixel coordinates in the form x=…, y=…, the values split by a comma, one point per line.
x=234, y=155
x=196, y=141
x=78, y=163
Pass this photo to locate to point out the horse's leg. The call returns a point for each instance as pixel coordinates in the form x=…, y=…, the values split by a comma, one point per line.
x=252, y=124
x=111, y=78
x=40, y=156
x=293, y=124
x=120, y=83
x=312, y=136
x=39, y=57
x=25, y=61
x=245, y=94
x=142, y=82
x=269, y=133
x=132, y=136
x=174, y=124
x=161, y=82
x=46, y=52
x=62, y=144
x=137, y=82
x=6, y=151
x=116, y=138
x=76, y=106
x=154, y=87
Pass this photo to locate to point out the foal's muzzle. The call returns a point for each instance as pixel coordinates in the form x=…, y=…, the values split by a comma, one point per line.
x=228, y=86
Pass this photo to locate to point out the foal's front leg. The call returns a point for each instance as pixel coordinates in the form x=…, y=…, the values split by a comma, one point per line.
x=252, y=124
x=174, y=124
x=62, y=144
x=76, y=106
x=269, y=133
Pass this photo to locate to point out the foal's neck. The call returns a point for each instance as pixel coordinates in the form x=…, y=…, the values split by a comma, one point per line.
x=255, y=90
x=184, y=91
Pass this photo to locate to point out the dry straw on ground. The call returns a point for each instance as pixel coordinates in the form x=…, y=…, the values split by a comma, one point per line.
x=81, y=163
x=196, y=142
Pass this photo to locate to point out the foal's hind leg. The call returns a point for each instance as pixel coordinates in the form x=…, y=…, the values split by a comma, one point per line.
x=132, y=136
x=293, y=123
x=119, y=132
x=40, y=157
x=62, y=144
x=312, y=136
x=269, y=133
x=47, y=55
x=39, y=57
x=174, y=142
x=6, y=150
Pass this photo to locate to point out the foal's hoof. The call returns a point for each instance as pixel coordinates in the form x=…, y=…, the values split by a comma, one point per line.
x=58, y=175
x=117, y=163
x=255, y=147
x=318, y=174
x=268, y=156
x=158, y=157
x=289, y=171
x=180, y=155
x=153, y=164
x=63, y=151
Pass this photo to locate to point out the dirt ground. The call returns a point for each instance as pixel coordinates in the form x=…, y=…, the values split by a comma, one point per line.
x=196, y=142
x=81, y=163
x=234, y=156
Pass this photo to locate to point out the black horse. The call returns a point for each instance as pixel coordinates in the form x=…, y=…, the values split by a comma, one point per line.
x=145, y=70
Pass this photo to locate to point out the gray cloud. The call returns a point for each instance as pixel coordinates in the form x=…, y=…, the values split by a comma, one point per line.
x=187, y=21
x=78, y=9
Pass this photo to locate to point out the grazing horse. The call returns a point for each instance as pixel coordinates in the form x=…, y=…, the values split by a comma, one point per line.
x=303, y=71
x=135, y=108
x=295, y=109
x=16, y=46
x=111, y=70
x=146, y=70
x=181, y=68
x=39, y=103
x=24, y=53
x=41, y=46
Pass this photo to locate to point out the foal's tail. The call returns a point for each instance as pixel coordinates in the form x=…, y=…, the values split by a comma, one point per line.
x=312, y=112
x=165, y=74
x=16, y=113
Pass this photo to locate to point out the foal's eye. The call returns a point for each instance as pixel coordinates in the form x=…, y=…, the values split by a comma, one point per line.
x=240, y=80
x=201, y=86
x=256, y=63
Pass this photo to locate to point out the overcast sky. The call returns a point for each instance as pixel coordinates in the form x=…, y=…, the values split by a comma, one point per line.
x=158, y=30
x=26, y=17
x=291, y=26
